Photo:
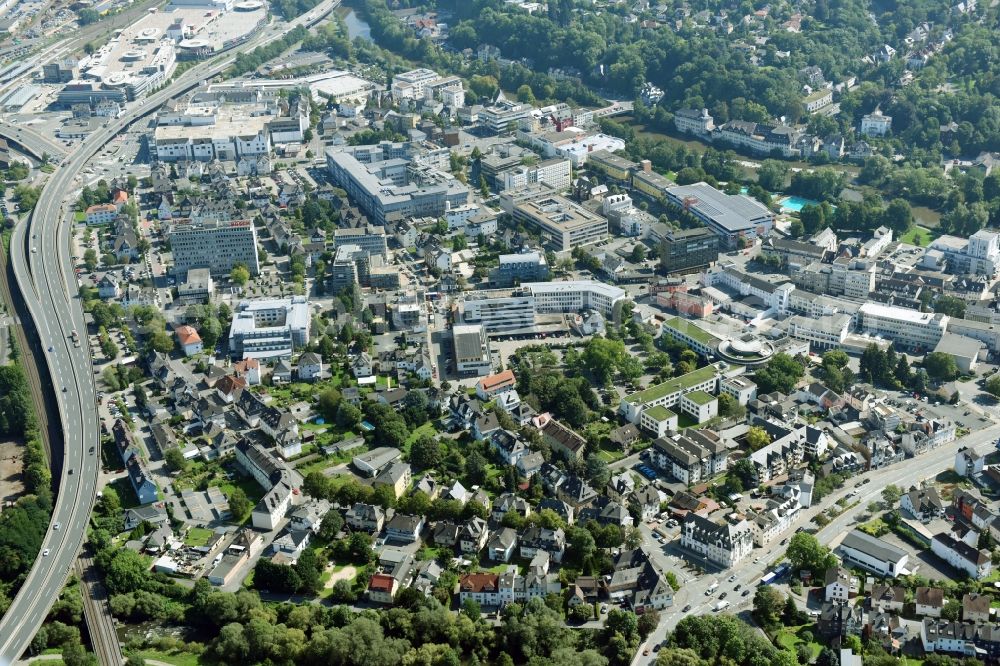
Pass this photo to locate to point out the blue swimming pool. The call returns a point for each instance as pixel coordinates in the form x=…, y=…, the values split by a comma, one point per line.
x=794, y=204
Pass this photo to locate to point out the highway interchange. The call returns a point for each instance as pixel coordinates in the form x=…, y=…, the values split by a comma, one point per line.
x=45, y=275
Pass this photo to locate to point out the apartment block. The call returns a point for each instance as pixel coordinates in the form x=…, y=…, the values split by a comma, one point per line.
x=669, y=392
x=217, y=245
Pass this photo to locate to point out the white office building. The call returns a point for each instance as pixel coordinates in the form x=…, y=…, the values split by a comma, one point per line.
x=575, y=295
x=472, y=350
x=920, y=331
x=269, y=328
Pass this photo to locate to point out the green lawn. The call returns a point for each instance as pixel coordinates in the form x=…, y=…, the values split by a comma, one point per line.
x=80, y=216
x=686, y=421
x=918, y=236
x=197, y=536
x=790, y=637
x=125, y=493
x=428, y=429
x=172, y=657
x=610, y=455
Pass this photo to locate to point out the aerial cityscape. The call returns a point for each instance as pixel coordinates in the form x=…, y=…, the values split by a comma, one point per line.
x=496, y=332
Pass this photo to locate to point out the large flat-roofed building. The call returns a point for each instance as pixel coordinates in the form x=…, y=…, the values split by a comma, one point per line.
x=499, y=310
x=523, y=267
x=472, y=350
x=873, y=554
x=271, y=328
x=554, y=172
x=612, y=166
x=822, y=332
x=382, y=192
x=224, y=139
x=502, y=114
x=410, y=85
x=682, y=250
x=669, y=392
x=563, y=224
x=575, y=295
x=730, y=216
x=370, y=238
x=514, y=310
x=920, y=331
x=213, y=244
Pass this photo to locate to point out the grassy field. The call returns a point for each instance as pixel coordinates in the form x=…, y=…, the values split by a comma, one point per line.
x=790, y=637
x=197, y=536
x=80, y=216
x=918, y=236
x=429, y=429
x=176, y=658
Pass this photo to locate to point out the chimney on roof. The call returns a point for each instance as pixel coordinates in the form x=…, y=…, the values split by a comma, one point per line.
x=647, y=166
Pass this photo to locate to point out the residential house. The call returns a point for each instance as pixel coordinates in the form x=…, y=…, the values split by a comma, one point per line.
x=501, y=544
x=968, y=559
x=887, y=598
x=724, y=545
x=483, y=588
x=397, y=476
x=922, y=503
x=510, y=502
x=444, y=533
x=840, y=585
x=367, y=517
x=620, y=486
x=537, y=539
x=404, y=528
x=976, y=607
x=839, y=620
x=563, y=440
x=472, y=535
x=928, y=601
x=310, y=367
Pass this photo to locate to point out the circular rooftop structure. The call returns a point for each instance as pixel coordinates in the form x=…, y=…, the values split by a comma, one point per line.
x=746, y=349
x=248, y=6
x=117, y=79
x=194, y=44
x=133, y=55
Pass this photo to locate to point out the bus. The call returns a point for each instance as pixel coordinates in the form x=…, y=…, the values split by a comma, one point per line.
x=778, y=572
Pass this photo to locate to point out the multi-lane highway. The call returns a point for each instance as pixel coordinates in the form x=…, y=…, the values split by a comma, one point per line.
x=31, y=141
x=44, y=271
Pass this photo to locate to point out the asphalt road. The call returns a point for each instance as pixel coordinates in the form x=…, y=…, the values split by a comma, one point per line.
x=31, y=141
x=44, y=272
x=748, y=573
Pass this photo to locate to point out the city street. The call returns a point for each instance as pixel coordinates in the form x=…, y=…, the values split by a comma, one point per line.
x=748, y=573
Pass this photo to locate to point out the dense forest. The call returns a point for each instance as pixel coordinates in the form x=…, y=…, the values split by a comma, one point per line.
x=23, y=525
x=699, y=67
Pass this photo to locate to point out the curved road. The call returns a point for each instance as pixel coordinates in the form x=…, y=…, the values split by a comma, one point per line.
x=44, y=271
x=31, y=141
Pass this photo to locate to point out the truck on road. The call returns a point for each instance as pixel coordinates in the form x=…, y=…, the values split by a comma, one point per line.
x=712, y=588
x=76, y=338
x=722, y=605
